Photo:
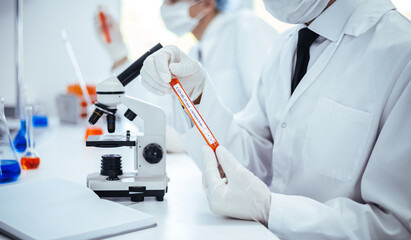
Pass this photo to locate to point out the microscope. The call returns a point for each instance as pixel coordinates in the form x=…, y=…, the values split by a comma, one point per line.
x=150, y=179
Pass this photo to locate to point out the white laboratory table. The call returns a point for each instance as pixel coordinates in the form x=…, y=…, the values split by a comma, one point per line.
x=184, y=213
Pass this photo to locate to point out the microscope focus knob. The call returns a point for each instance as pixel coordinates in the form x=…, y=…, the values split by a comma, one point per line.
x=153, y=153
x=130, y=115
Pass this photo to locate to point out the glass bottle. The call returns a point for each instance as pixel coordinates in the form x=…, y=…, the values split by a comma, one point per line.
x=30, y=158
x=9, y=166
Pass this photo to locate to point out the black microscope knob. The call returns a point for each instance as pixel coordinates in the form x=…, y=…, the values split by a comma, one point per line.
x=153, y=153
x=130, y=115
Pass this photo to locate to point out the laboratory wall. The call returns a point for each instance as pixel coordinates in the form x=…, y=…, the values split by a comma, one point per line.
x=7, y=51
x=47, y=69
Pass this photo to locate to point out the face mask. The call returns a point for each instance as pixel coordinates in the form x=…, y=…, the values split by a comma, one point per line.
x=177, y=19
x=295, y=11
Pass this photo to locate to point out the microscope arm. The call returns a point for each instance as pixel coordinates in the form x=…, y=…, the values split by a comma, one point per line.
x=154, y=117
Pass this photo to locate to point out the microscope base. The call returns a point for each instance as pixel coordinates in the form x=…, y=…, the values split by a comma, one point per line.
x=129, y=185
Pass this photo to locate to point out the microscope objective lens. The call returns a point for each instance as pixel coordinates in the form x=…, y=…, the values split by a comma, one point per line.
x=111, y=123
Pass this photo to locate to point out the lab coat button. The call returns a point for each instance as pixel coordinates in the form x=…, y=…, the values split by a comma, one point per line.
x=284, y=125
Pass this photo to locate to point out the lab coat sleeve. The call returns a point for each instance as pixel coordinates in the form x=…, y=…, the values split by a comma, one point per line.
x=385, y=188
x=250, y=143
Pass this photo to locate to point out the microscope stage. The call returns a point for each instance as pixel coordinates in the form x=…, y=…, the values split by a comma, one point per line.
x=129, y=185
x=111, y=141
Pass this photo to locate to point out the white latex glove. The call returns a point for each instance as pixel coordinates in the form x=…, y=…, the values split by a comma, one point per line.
x=116, y=47
x=241, y=194
x=158, y=69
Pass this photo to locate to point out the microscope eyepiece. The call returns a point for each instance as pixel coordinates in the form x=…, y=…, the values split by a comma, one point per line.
x=134, y=69
x=95, y=116
x=111, y=123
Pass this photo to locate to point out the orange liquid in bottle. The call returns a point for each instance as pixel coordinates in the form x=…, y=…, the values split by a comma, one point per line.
x=30, y=162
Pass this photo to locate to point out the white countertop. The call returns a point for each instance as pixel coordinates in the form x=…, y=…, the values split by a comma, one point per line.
x=184, y=213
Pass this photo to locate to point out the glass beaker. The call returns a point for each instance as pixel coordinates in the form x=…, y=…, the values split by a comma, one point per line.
x=30, y=158
x=9, y=166
x=39, y=113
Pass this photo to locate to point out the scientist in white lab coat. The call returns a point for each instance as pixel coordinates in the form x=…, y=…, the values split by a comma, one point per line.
x=333, y=144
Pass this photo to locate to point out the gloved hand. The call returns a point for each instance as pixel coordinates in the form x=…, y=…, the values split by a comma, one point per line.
x=158, y=69
x=116, y=47
x=240, y=195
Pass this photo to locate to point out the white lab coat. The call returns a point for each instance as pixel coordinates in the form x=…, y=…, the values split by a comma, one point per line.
x=233, y=49
x=337, y=153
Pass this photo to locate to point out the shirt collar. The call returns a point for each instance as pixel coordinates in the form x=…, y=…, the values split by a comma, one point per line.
x=331, y=23
x=367, y=15
x=351, y=17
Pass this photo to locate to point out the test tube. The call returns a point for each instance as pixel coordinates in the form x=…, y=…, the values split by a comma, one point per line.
x=194, y=114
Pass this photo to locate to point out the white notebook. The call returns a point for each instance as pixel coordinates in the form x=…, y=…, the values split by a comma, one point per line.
x=59, y=209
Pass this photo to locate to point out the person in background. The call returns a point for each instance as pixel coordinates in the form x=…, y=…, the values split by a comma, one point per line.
x=109, y=34
x=323, y=148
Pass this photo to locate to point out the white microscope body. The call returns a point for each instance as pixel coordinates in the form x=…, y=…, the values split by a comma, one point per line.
x=151, y=179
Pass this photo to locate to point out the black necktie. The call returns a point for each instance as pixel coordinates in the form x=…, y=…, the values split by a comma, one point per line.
x=306, y=37
x=200, y=55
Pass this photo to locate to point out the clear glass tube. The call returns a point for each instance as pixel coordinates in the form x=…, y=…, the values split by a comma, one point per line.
x=30, y=159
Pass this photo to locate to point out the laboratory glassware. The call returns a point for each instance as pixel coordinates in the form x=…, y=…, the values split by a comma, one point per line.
x=9, y=166
x=30, y=158
x=194, y=114
x=20, y=142
x=40, y=118
x=196, y=118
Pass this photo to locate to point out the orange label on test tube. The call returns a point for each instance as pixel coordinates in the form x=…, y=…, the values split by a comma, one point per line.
x=194, y=114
